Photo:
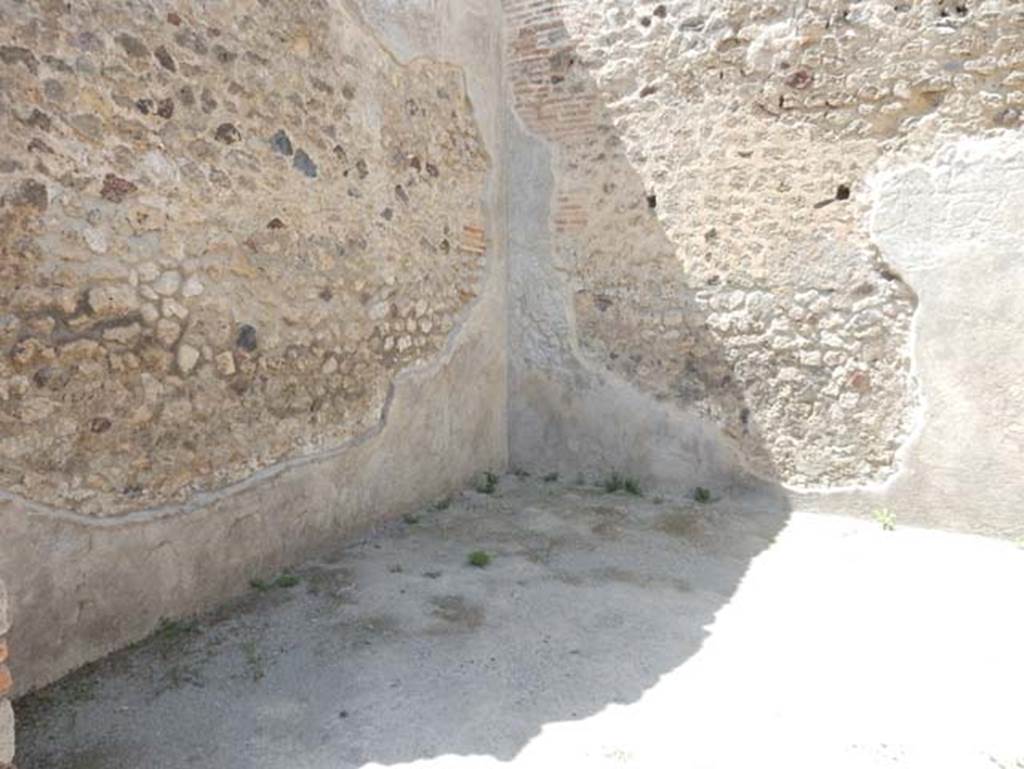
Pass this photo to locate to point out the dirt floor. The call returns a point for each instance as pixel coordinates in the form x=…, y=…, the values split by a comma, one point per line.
x=606, y=630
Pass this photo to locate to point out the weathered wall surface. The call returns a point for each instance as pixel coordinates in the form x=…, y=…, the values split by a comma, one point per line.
x=223, y=234
x=709, y=221
x=252, y=295
x=253, y=273
x=6, y=684
x=948, y=217
x=566, y=415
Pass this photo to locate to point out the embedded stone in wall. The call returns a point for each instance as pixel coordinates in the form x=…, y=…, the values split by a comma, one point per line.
x=709, y=209
x=195, y=278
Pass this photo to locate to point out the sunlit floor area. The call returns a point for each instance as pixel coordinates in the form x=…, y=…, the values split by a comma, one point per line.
x=550, y=625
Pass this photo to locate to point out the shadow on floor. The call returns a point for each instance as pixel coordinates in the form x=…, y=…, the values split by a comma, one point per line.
x=399, y=650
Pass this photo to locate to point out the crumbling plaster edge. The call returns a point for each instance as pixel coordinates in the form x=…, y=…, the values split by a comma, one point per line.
x=204, y=499
x=896, y=161
x=890, y=165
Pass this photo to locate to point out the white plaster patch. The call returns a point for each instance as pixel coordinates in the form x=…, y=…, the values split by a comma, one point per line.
x=967, y=196
x=949, y=222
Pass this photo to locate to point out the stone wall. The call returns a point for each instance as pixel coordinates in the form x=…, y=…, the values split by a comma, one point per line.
x=235, y=240
x=708, y=221
x=254, y=291
x=223, y=235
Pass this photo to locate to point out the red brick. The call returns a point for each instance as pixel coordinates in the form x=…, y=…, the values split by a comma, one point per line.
x=6, y=682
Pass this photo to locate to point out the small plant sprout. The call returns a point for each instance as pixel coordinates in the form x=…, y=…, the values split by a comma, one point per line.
x=284, y=580
x=487, y=483
x=702, y=495
x=613, y=483
x=617, y=482
x=885, y=517
x=478, y=558
x=172, y=629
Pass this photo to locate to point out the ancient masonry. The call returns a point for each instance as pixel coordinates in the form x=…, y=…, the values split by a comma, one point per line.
x=256, y=273
x=214, y=260
x=709, y=205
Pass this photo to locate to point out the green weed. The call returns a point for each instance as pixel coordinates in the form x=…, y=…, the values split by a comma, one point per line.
x=478, y=558
x=487, y=483
x=885, y=517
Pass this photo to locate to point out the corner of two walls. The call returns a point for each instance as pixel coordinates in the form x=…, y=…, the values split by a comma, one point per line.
x=770, y=251
x=568, y=413
x=691, y=295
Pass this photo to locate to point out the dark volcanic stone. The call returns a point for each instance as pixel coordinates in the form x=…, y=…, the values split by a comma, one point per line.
x=227, y=133
x=281, y=143
x=165, y=108
x=165, y=59
x=304, y=163
x=115, y=189
x=247, y=337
